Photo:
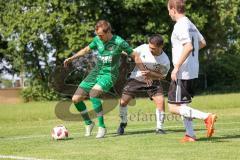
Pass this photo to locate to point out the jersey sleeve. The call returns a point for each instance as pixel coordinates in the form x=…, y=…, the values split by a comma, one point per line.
x=200, y=36
x=166, y=65
x=126, y=48
x=138, y=50
x=182, y=33
x=93, y=44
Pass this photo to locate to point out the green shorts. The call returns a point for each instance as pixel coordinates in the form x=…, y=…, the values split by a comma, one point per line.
x=106, y=81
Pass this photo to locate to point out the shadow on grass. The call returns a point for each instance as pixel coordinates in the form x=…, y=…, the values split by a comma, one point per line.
x=181, y=130
x=149, y=131
x=224, y=138
x=67, y=139
x=114, y=134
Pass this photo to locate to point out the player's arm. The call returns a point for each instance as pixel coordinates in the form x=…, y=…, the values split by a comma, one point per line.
x=202, y=44
x=136, y=57
x=141, y=66
x=80, y=53
x=161, y=72
x=187, y=49
x=133, y=54
x=153, y=75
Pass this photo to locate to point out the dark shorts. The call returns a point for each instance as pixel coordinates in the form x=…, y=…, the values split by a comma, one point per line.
x=134, y=87
x=181, y=92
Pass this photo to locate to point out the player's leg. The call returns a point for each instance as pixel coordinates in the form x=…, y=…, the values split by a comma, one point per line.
x=189, y=127
x=104, y=84
x=77, y=99
x=160, y=113
x=95, y=94
x=187, y=121
x=186, y=111
x=155, y=92
x=174, y=104
x=80, y=95
x=128, y=93
x=189, y=112
x=125, y=99
x=180, y=96
x=180, y=93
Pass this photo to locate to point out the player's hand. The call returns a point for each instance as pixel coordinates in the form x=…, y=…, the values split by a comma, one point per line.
x=66, y=62
x=145, y=73
x=148, y=81
x=174, y=74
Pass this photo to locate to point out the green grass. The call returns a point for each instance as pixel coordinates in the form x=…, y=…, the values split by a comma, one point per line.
x=25, y=132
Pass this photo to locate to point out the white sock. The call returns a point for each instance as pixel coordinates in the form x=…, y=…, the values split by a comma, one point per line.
x=192, y=113
x=123, y=114
x=188, y=126
x=160, y=118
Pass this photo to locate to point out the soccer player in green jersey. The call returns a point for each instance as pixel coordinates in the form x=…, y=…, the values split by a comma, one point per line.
x=103, y=76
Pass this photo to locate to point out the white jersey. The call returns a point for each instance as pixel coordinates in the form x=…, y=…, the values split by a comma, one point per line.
x=185, y=31
x=159, y=63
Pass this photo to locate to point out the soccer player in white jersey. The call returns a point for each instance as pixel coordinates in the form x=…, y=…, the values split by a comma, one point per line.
x=157, y=65
x=186, y=43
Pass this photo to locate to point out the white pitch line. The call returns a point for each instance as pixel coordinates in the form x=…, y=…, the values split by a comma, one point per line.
x=19, y=158
x=24, y=137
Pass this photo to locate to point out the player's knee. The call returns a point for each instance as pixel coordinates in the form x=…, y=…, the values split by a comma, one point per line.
x=172, y=108
x=123, y=102
x=95, y=93
x=92, y=94
x=77, y=99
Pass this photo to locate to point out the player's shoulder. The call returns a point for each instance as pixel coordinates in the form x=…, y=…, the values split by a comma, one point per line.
x=182, y=23
x=96, y=38
x=141, y=48
x=117, y=39
x=164, y=56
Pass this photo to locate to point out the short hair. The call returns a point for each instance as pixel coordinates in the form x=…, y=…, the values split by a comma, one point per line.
x=179, y=5
x=105, y=25
x=156, y=39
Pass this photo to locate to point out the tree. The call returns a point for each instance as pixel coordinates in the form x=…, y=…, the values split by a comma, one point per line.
x=41, y=34
x=3, y=47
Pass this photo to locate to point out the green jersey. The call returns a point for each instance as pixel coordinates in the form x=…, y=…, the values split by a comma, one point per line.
x=108, y=58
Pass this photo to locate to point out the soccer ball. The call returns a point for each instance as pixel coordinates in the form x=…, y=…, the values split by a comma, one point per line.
x=59, y=132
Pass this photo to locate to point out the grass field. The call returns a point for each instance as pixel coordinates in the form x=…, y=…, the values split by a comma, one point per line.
x=25, y=132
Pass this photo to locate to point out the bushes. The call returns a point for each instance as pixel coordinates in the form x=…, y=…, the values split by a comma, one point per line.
x=224, y=72
x=38, y=92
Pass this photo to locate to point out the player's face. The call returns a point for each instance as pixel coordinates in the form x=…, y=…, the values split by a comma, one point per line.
x=102, y=35
x=171, y=12
x=155, y=50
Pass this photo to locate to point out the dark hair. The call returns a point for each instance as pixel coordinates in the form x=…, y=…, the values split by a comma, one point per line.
x=179, y=5
x=156, y=39
x=105, y=25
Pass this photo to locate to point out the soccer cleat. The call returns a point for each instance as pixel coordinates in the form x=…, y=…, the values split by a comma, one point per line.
x=160, y=131
x=187, y=138
x=121, y=128
x=101, y=132
x=88, y=129
x=209, y=121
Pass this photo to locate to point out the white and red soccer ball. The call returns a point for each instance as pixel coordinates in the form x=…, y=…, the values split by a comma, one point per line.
x=60, y=132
